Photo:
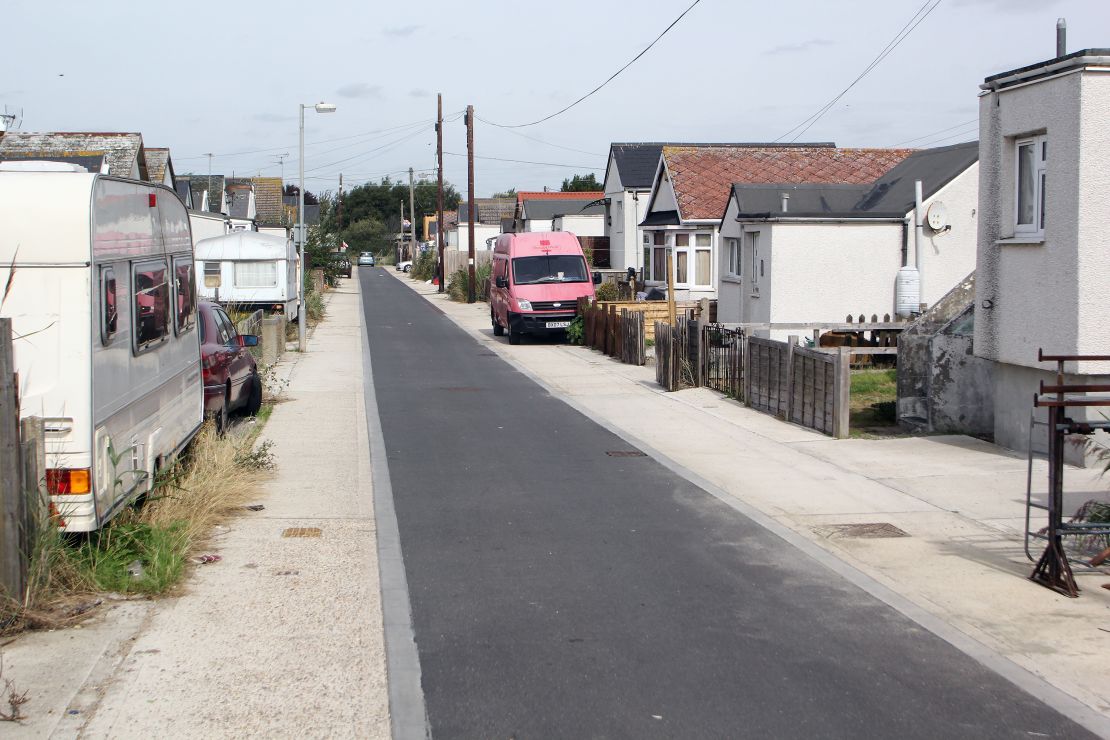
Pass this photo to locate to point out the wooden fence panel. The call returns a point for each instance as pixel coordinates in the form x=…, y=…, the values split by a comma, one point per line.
x=454, y=259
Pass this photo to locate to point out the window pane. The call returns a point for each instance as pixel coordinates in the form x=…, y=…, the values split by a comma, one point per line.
x=647, y=263
x=255, y=274
x=1026, y=185
x=682, y=240
x=731, y=256
x=659, y=265
x=186, y=294
x=110, y=310
x=701, y=265
x=660, y=238
x=565, y=268
x=152, y=303
x=680, y=267
x=703, y=240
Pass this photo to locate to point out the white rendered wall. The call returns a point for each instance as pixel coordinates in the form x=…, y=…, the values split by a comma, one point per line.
x=1028, y=295
x=664, y=196
x=825, y=272
x=481, y=233
x=581, y=225
x=949, y=257
x=204, y=227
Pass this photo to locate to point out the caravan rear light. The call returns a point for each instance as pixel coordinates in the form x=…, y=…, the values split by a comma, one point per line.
x=152, y=199
x=62, y=481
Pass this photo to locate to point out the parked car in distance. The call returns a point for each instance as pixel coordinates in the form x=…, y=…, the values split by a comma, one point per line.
x=404, y=266
x=342, y=264
x=366, y=258
x=231, y=379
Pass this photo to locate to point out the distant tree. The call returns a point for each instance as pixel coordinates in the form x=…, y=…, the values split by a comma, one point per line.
x=309, y=198
x=580, y=183
x=381, y=202
x=510, y=193
x=367, y=235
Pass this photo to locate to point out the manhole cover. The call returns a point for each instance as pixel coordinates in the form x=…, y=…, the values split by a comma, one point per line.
x=625, y=453
x=301, y=532
x=862, y=530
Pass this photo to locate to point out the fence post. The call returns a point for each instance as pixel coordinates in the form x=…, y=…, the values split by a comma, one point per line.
x=12, y=570
x=791, y=343
x=843, y=390
x=35, y=513
x=746, y=361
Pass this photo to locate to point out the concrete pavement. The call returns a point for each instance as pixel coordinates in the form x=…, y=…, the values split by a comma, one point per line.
x=960, y=570
x=283, y=637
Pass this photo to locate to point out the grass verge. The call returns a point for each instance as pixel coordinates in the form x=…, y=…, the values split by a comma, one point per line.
x=146, y=548
x=874, y=401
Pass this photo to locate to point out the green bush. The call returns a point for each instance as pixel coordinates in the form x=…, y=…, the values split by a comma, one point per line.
x=458, y=284
x=606, y=292
x=576, y=332
x=424, y=266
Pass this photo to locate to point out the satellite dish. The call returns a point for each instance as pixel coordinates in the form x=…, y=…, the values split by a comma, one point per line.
x=936, y=215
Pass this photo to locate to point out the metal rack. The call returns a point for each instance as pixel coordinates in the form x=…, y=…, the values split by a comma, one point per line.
x=1053, y=569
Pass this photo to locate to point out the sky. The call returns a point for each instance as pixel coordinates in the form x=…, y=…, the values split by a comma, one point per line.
x=229, y=81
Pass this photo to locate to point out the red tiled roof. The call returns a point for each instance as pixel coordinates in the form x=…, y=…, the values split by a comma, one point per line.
x=702, y=177
x=558, y=195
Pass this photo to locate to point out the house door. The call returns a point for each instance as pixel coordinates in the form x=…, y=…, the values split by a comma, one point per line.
x=754, y=306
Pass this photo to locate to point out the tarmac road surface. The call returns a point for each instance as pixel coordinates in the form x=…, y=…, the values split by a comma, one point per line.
x=561, y=592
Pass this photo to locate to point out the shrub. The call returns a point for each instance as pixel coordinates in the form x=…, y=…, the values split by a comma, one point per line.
x=607, y=292
x=424, y=266
x=458, y=284
x=576, y=331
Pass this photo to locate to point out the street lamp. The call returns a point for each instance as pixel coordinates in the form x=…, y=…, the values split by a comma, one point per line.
x=302, y=345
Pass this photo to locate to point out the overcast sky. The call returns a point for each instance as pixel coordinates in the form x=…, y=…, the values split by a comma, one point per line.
x=226, y=78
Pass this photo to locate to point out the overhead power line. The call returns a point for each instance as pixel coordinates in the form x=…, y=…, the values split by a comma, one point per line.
x=921, y=14
x=540, y=141
x=525, y=161
x=607, y=81
x=935, y=133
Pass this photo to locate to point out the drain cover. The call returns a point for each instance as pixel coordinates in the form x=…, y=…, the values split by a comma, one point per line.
x=625, y=453
x=301, y=532
x=862, y=530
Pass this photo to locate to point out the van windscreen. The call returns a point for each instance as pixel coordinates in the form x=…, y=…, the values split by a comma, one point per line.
x=550, y=268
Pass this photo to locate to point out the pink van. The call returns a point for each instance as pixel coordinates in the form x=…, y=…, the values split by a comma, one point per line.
x=536, y=281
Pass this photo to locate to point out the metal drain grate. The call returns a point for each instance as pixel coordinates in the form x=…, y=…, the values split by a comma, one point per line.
x=625, y=453
x=862, y=530
x=302, y=532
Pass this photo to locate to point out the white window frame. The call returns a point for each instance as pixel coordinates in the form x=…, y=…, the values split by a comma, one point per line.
x=735, y=261
x=1040, y=160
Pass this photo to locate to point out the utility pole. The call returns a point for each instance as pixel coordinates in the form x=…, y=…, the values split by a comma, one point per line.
x=412, y=215
x=439, y=186
x=471, y=212
x=341, y=201
x=402, y=254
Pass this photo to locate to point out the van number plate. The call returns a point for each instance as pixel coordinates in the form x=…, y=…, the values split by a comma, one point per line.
x=558, y=324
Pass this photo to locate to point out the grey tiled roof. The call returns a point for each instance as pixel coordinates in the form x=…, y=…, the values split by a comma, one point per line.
x=123, y=151
x=199, y=183
x=891, y=196
x=545, y=209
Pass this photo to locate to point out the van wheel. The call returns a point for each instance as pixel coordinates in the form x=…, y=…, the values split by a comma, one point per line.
x=254, y=400
x=498, y=330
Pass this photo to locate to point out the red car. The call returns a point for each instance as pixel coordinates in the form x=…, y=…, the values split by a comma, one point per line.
x=231, y=379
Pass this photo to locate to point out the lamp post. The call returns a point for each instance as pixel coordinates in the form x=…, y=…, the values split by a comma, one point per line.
x=302, y=345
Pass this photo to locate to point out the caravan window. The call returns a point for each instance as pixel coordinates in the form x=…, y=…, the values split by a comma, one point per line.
x=185, y=291
x=109, y=308
x=152, y=304
x=255, y=274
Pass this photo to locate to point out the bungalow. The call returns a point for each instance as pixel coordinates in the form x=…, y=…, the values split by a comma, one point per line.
x=270, y=215
x=241, y=203
x=491, y=213
x=159, y=166
x=539, y=216
x=583, y=216
x=629, y=174
x=691, y=190
x=807, y=251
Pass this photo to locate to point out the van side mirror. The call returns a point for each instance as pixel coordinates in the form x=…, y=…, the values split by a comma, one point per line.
x=597, y=278
x=502, y=282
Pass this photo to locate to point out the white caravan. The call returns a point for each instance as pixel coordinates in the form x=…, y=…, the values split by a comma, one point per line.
x=249, y=270
x=103, y=306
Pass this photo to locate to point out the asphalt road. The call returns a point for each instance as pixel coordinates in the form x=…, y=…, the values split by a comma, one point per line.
x=559, y=592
